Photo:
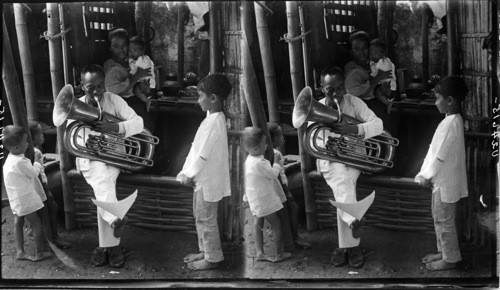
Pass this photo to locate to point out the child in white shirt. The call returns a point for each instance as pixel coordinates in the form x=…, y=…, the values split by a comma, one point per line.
x=378, y=61
x=24, y=191
x=207, y=170
x=137, y=59
x=444, y=169
x=263, y=192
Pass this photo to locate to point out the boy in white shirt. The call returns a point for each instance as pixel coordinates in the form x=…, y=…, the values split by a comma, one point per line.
x=207, y=170
x=378, y=61
x=137, y=59
x=263, y=192
x=444, y=169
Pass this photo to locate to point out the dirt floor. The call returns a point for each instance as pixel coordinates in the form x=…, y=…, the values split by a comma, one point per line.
x=149, y=255
x=390, y=255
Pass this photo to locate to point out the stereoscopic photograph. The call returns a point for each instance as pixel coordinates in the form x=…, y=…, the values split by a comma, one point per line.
x=317, y=144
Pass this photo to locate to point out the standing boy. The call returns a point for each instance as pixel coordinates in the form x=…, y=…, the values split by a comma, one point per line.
x=444, y=170
x=99, y=175
x=340, y=177
x=207, y=170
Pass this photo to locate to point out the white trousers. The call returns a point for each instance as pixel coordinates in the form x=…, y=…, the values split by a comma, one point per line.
x=342, y=179
x=446, y=231
x=102, y=178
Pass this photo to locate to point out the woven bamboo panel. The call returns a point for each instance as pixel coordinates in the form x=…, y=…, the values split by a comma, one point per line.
x=161, y=204
x=396, y=206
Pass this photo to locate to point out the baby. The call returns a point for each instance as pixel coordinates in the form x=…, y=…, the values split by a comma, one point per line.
x=137, y=59
x=378, y=61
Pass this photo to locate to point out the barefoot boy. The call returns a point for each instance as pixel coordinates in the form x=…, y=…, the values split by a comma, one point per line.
x=444, y=170
x=207, y=170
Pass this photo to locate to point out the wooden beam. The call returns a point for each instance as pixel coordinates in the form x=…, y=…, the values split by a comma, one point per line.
x=452, y=45
x=215, y=38
x=180, y=47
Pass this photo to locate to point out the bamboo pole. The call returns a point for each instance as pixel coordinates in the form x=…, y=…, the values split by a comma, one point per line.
x=425, y=46
x=26, y=63
x=452, y=34
x=215, y=50
x=267, y=63
x=57, y=84
x=305, y=49
x=180, y=48
x=297, y=85
x=13, y=90
x=250, y=85
x=64, y=45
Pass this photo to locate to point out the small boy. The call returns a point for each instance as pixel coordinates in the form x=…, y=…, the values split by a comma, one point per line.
x=207, y=169
x=263, y=192
x=444, y=169
x=50, y=204
x=292, y=214
x=24, y=191
x=378, y=61
x=137, y=59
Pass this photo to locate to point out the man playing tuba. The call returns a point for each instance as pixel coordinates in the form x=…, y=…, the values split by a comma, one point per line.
x=340, y=177
x=99, y=175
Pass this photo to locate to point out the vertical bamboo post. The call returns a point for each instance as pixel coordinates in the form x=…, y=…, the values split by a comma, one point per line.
x=250, y=85
x=452, y=34
x=297, y=85
x=13, y=90
x=180, y=47
x=425, y=45
x=64, y=45
x=26, y=63
x=305, y=49
x=267, y=63
x=215, y=51
x=57, y=84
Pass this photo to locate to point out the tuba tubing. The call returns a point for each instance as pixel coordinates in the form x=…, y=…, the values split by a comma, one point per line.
x=378, y=151
x=138, y=149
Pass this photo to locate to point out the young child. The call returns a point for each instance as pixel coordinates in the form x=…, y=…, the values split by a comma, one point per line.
x=137, y=59
x=50, y=204
x=24, y=191
x=340, y=177
x=278, y=140
x=207, y=169
x=444, y=169
x=99, y=175
x=263, y=192
x=378, y=61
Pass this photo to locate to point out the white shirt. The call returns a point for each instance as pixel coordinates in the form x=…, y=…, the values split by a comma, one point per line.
x=357, y=108
x=198, y=9
x=208, y=159
x=143, y=62
x=384, y=64
x=444, y=163
x=262, y=188
x=24, y=190
x=115, y=105
x=281, y=161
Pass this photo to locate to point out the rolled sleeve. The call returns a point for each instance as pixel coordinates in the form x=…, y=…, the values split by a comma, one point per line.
x=133, y=123
x=372, y=125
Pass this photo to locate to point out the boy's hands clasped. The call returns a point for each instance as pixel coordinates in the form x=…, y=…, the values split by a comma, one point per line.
x=186, y=180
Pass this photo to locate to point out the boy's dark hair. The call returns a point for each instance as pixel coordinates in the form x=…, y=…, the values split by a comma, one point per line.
x=118, y=32
x=252, y=137
x=12, y=136
x=331, y=70
x=452, y=86
x=358, y=35
x=34, y=127
x=215, y=83
x=273, y=130
x=379, y=43
x=92, y=68
x=138, y=40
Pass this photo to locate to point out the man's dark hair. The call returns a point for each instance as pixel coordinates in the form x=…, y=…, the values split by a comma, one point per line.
x=12, y=136
x=331, y=70
x=379, y=43
x=138, y=40
x=215, y=83
x=452, y=86
x=92, y=68
x=118, y=32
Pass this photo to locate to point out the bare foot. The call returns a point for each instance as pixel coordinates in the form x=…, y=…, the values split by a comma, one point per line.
x=262, y=257
x=283, y=256
x=24, y=256
x=440, y=265
x=432, y=257
x=41, y=256
x=201, y=265
x=194, y=257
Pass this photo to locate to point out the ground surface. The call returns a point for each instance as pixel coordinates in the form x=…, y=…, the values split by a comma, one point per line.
x=149, y=255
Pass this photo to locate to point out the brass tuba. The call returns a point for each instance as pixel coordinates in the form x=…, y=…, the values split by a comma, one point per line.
x=132, y=154
x=370, y=155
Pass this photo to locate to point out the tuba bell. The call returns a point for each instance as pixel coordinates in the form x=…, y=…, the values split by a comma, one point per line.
x=369, y=155
x=132, y=154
